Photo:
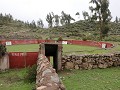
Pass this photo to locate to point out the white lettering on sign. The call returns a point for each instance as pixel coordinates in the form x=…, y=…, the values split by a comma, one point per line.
x=8, y=43
x=64, y=42
x=103, y=45
x=18, y=54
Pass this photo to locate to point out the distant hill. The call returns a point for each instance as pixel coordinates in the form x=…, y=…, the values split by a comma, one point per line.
x=16, y=29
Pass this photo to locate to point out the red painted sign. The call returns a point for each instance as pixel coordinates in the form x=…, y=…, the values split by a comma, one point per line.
x=22, y=59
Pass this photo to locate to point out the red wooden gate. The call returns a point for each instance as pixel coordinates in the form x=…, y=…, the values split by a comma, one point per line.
x=22, y=59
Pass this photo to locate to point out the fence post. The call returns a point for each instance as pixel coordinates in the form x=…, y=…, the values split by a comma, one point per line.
x=25, y=54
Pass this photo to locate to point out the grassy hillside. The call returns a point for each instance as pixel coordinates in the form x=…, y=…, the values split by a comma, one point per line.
x=16, y=29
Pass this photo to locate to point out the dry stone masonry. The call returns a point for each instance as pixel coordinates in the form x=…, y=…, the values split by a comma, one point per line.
x=47, y=78
x=88, y=62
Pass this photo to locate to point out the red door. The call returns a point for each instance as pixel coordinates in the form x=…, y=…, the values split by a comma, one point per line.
x=22, y=59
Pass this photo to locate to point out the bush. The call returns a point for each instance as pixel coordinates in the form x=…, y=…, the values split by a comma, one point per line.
x=31, y=74
x=91, y=37
x=2, y=50
x=112, y=38
x=47, y=39
x=38, y=37
x=84, y=39
x=60, y=39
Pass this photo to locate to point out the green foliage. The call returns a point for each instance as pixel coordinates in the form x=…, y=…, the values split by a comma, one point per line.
x=33, y=25
x=85, y=15
x=49, y=19
x=77, y=13
x=60, y=39
x=31, y=74
x=101, y=14
x=66, y=18
x=56, y=20
x=17, y=29
x=40, y=23
x=89, y=37
x=116, y=20
x=84, y=38
x=112, y=38
x=5, y=19
x=2, y=50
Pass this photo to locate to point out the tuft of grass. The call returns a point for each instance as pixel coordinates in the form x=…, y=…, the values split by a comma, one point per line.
x=14, y=80
x=96, y=79
x=31, y=74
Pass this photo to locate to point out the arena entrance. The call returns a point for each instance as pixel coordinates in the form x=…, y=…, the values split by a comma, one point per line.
x=54, y=50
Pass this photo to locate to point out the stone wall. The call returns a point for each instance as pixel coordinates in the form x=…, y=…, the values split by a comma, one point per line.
x=88, y=62
x=4, y=62
x=47, y=78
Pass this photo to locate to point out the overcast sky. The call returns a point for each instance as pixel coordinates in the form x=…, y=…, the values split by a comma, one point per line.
x=35, y=9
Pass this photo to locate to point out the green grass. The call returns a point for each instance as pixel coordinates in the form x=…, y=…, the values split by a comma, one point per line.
x=95, y=79
x=23, y=48
x=67, y=49
x=14, y=80
x=77, y=49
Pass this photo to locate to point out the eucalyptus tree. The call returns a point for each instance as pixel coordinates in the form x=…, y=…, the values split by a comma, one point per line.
x=40, y=23
x=102, y=15
x=66, y=18
x=85, y=15
x=49, y=19
x=77, y=14
x=1, y=18
x=57, y=21
x=63, y=18
x=69, y=19
x=33, y=24
x=5, y=19
x=116, y=20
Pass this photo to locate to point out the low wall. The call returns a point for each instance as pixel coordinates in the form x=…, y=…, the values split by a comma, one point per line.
x=75, y=42
x=4, y=62
x=47, y=78
x=90, y=61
